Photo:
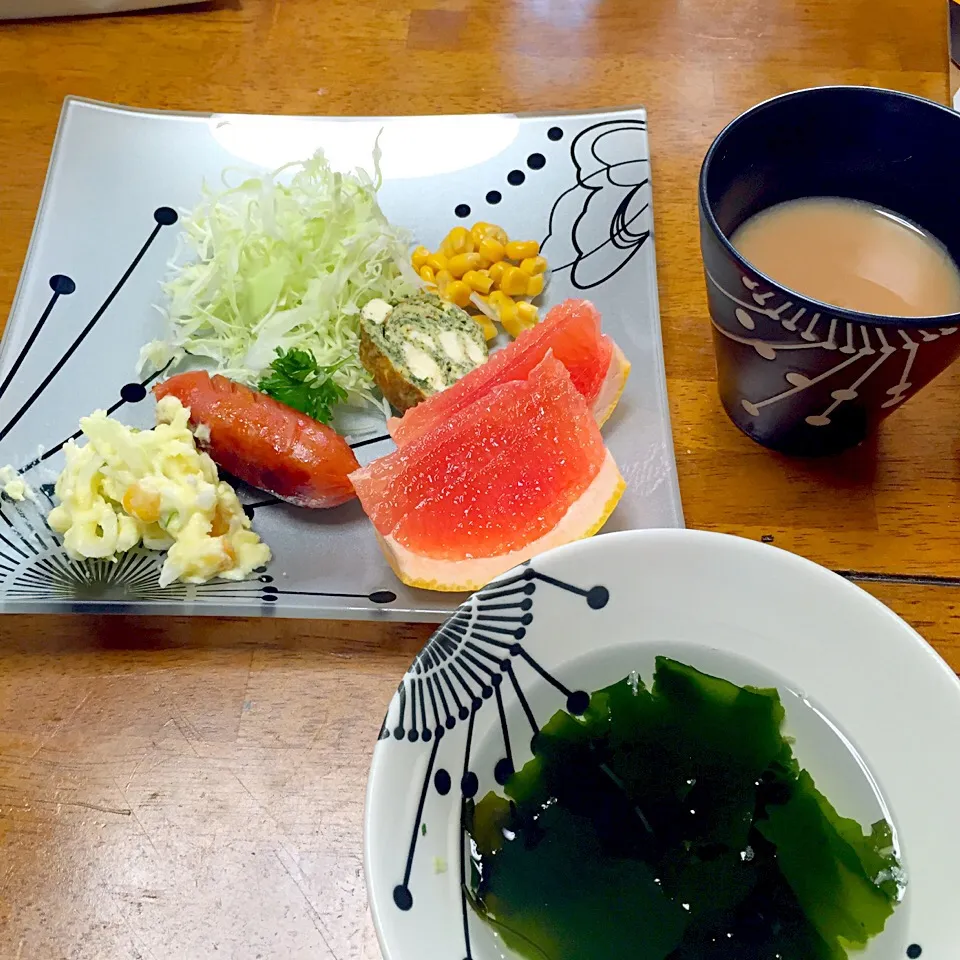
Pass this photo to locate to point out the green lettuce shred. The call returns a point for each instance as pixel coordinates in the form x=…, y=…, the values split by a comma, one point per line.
x=284, y=262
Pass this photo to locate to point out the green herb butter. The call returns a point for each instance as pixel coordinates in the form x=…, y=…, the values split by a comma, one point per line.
x=418, y=346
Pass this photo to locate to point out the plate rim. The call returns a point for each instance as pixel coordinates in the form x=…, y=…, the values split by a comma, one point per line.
x=431, y=608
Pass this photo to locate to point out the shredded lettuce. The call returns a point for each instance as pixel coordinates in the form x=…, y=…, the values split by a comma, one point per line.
x=282, y=264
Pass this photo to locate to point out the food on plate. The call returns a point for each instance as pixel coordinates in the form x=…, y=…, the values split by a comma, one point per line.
x=297, y=380
x=571, y=330
x=284, y=261
x=14, y=486
x=675, y=822
x=264, y=442
x=417, y=346
x=126, y=486
x=520, y=470
x=483, y=269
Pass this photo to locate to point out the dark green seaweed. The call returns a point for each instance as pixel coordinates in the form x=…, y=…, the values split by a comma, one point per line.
x=674, y=823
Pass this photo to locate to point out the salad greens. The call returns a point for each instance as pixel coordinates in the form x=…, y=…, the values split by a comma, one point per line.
x=283, y=262
x=296, y=379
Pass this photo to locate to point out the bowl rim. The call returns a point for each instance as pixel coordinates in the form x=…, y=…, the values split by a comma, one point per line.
x=707, y=215
x=693, y=538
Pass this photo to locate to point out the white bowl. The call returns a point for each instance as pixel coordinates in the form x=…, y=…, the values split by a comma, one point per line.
x=874, y=711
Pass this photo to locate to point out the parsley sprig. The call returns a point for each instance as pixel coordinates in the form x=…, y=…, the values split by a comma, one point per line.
x=296, y=379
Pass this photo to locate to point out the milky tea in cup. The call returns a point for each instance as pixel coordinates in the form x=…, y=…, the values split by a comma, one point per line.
x=853, y=255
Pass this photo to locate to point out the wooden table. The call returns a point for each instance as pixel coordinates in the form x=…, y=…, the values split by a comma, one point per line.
x=184, y=789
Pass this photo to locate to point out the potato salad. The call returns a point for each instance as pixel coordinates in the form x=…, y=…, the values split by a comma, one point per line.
x=126, y=486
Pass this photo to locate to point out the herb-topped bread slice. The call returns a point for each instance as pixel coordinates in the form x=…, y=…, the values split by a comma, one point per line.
x=418, y=346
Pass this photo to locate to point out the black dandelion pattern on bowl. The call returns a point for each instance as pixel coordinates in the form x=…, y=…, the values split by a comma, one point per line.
x=477, y=657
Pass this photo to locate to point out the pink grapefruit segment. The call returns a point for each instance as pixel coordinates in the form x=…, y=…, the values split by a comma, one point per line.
x=521, y=470
x=571, y=330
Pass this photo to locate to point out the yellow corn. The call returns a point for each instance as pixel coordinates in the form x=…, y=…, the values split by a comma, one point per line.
x=477, y=281
x=522, y=249
x=532, y=266
x=419, y=257
x=486, y=325
x=496, y=271
x=427, y=274
x=513, y=281
x=458, y=240
x=444, y=279
x=534, y=285
x=510, y=319
x=478, y=231
x=142, y=504
x=527, y=313
x=500, y=301
x=220, y=524
x=463, y=262
x=457, y=292
x=490, y=249
x=497, y=233
x=437, y=262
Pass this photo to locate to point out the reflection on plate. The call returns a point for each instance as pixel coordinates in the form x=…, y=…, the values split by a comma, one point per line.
x=861, y=691
x=86, y=302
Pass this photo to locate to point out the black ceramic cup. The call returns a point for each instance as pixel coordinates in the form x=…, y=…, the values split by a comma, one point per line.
x=794, y=374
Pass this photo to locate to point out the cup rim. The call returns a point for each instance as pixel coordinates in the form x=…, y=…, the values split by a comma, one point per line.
x=842, y=313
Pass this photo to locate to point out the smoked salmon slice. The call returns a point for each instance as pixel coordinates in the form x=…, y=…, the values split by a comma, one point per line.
x=264, y=442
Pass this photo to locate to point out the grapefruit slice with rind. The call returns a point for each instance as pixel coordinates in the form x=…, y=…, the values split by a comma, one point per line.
x=521, y=470
x=571, y=330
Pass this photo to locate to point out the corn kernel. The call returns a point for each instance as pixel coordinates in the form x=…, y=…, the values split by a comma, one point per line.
x=458, y=240
x=477, y=281
x=142, y=504
x=534, y=285
x=532, y=266
x=486, y=325
x=436, y=262
x=427, y=274
x=497, y=233
x=522, y=249
x=478, y=231
x=463, y=262
x=220, y=524
x=490, y=249
x=496, y=271
x=510, y=319
x=457, y=292
x=514, y=281
x=500, y=301
x=419, y=257
x=528, y=314
x=444, y=279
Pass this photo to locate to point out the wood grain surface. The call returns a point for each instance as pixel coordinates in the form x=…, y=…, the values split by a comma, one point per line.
x=193, y=788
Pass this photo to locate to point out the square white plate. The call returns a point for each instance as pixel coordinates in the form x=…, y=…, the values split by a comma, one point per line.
x=88, y=294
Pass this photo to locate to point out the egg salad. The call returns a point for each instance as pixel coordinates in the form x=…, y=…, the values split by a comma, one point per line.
x=14, y=486
x=127, y=486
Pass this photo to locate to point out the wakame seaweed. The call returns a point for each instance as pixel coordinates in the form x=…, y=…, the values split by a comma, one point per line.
x=674, y=823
